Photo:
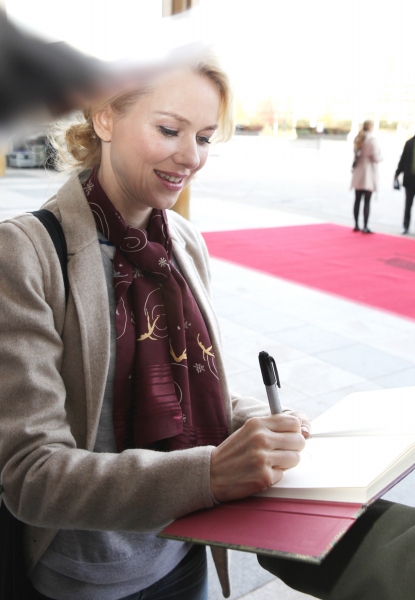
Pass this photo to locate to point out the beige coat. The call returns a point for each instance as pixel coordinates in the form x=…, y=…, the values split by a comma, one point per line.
x=53, y=369
x=365, y=173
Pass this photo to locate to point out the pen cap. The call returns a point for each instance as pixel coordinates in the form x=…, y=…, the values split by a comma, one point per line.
x=268, y=369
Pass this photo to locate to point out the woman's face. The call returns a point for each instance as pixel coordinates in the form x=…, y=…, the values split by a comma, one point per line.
x=151, y=153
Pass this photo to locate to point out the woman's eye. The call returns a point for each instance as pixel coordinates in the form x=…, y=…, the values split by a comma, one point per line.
x=201, y=139
x=168, y=132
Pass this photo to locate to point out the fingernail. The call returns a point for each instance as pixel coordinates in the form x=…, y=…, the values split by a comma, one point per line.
x=305, y=429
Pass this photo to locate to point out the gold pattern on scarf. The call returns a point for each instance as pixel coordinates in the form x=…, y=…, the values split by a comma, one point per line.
x=206, y=351
x=176, y=358
x=150, y=331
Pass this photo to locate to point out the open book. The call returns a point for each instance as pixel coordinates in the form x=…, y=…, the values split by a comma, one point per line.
x=359, y=449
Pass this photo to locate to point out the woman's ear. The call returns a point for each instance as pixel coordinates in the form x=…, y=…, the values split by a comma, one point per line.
x=103, y=121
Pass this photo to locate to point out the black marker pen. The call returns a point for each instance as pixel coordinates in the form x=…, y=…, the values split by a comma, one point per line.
x=271, y=381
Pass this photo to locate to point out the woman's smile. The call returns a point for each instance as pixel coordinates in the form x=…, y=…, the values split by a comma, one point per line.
x=172, y=181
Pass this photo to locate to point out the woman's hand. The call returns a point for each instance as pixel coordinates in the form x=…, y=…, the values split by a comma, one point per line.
x=255, y=456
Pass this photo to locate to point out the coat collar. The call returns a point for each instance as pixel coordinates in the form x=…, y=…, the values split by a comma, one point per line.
x=77, y=219
x=88, y=288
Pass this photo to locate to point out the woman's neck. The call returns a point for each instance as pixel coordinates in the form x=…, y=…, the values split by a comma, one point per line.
x=133, y=215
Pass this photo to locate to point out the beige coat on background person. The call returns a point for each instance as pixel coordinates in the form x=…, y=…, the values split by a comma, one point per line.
x=53, y=370
x=365, y=174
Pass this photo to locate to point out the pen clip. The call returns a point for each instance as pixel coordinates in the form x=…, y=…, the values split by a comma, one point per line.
x=274, y=368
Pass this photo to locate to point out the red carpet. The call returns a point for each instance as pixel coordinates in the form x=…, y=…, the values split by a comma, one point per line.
x=377, y=270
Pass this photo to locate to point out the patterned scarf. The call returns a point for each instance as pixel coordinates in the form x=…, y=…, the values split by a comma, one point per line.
x=166, y=390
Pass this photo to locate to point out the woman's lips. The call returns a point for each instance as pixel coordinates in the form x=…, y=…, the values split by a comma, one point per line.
x=172, y=181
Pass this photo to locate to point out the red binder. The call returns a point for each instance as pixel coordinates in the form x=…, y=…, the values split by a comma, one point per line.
x=300, y=529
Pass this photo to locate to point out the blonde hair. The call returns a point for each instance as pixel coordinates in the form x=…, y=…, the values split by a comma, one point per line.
x=360, y=138
x=78, y=146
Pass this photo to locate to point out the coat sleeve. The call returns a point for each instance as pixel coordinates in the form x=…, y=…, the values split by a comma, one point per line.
x=376, y=154
x=246, y=407
x=402, y=160
x=48, y=481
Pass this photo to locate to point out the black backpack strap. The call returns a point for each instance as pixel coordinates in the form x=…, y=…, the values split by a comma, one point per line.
x=13, y=582
x=54, y=228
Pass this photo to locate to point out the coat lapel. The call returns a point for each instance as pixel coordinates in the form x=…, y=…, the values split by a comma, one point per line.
x=88, y=288
x=192, y=277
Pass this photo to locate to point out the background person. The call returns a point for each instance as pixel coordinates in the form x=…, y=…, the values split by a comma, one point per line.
x=365, y=172
x=115, y=414
x=407, y=167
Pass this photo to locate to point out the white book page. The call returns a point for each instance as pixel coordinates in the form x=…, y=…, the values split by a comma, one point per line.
x=341, y=463
x=370, y=413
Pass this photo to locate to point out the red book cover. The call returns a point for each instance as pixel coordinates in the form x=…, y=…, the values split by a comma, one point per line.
x=300, y=529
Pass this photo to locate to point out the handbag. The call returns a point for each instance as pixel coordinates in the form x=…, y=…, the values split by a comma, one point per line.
x=14, y=585
x=357, y=155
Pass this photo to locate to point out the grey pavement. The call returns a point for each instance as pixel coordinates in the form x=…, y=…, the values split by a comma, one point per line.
x=326, y=347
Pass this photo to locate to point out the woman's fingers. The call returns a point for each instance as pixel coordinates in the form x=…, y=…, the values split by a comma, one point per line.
x=305, y=422
x=271, y=432
x=286, y=459
x=283, y=422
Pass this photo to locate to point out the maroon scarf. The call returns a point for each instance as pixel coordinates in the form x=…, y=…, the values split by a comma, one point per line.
x=166, y=390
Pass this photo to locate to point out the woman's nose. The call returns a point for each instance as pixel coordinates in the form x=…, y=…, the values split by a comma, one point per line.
x=188, y=154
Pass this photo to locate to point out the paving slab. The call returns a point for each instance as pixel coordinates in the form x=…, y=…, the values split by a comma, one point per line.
x=366, y=361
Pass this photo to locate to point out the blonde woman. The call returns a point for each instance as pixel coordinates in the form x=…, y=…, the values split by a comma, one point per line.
x=365, y=172
x=115, y=413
